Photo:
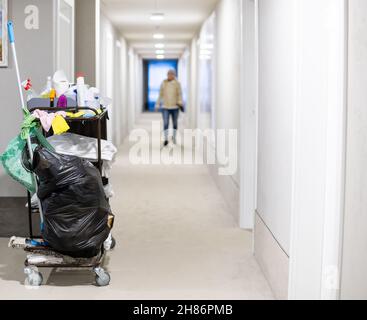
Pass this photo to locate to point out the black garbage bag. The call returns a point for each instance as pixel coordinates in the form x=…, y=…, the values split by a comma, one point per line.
x=74, y=204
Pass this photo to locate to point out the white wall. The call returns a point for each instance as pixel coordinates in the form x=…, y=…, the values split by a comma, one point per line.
x=139, y=95
x=124, y=88
x=107, y=71
x=227, y=69
x=276, y=110
x=113, y=78
x=319, y=150
x=192, y=101
x=183, y=77
x=135, y=88
x=354, y=280
x=206, y=99
x=35, y=61
x=248, y=128
x=131, y=89
x=301, y=139
x=118, y=92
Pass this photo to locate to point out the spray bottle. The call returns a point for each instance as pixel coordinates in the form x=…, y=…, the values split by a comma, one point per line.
x=27, y=85
x=80, y=87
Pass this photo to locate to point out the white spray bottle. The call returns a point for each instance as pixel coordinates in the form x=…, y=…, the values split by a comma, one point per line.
x=80, y=87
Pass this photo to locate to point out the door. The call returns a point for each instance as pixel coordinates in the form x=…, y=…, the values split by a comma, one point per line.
x=66, y=37
x=249, y=107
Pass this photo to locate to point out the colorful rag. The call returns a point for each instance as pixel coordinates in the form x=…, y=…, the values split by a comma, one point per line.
x=59, y=125
x=28, y=124
x=47, y=120
x=12, y=158
x=75, y=115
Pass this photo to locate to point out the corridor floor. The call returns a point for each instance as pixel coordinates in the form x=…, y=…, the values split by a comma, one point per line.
x=175, y=240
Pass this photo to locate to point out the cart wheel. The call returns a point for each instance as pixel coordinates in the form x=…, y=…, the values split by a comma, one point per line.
x=103, y=278
x=34, y=277
x=113, y=243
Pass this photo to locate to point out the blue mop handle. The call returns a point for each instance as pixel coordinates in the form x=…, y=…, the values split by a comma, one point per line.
x=23, y=104
x=11, y=32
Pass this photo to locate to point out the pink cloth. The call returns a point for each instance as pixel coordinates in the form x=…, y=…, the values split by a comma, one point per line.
x=47, y=118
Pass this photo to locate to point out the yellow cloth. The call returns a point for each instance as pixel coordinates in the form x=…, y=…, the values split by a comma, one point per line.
x=59, y=125
x=80, y=114
x=75, y=115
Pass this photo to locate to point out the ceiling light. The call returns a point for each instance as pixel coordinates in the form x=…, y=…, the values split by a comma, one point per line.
x=160, y=56
x=206, y=46
x=205, y=52
x=158, y=36
x=205, y=57
x=159, y=45
x=157, y=16
x=160, y=51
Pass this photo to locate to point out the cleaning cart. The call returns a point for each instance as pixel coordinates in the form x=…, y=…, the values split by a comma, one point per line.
x=40, y=254
x=94, y=127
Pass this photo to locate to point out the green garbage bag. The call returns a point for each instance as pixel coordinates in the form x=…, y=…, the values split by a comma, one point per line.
x=13, y=164
x=12, y=158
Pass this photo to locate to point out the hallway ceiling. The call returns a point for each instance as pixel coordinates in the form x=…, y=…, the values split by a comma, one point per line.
x=183, y=19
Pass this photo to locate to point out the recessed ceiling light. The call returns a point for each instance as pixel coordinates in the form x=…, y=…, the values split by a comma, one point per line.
x=158, y=36
x=205, y=52
x=157, y=16
x=160, y=51
x=160, y=56
x=159, y=45
x=206, y=46
x=205, y=57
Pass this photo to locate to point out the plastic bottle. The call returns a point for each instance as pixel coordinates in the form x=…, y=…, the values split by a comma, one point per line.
x=27, y=85
x=80, y=86
x=52, y=97
x=49, y=84
x=47, y=89
x=62, y=102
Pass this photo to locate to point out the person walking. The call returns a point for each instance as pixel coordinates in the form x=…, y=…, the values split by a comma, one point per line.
x=171, y=97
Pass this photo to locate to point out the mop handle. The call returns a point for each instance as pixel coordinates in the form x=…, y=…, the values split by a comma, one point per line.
x=11, y=32
x=12, y=43
x=29, y=142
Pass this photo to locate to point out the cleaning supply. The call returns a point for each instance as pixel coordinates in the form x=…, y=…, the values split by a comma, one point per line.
x=62, y=102
x=27, y=85
x=49, y=84
x=81, y=90
x=60, y=83
x=59, y=125
x=46, y=118
x=75, y=92
x=92, y=98
x=52, y=98
x=46, y=90
x=75, y=115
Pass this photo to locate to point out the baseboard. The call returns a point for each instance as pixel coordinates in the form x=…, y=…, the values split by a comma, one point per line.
x=230, y=191
x=14, y=218
x=273, y=261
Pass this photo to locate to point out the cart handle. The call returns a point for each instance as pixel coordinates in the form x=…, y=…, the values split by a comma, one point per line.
x=71, y=109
